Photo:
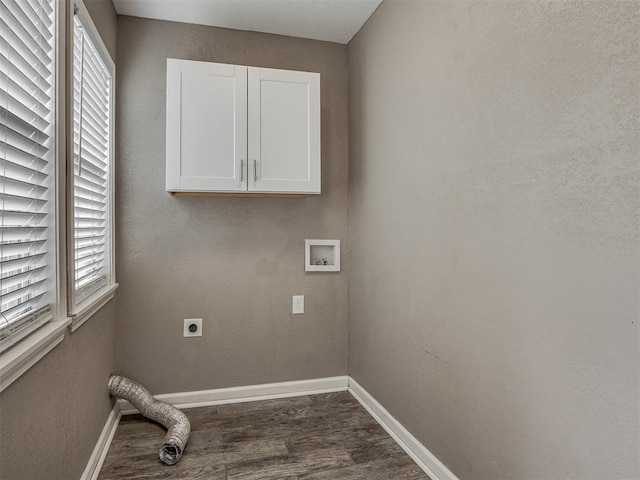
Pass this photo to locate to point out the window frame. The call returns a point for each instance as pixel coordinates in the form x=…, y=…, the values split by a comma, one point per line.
x=81, y=311
x=26, y=323
x=26, y=352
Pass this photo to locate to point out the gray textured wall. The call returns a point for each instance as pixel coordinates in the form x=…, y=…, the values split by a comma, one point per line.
x=493, y=231
x=52, y=416
x=235, y=262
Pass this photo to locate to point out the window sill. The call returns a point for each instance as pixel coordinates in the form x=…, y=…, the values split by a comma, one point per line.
x=22, y=356
x=91, y=305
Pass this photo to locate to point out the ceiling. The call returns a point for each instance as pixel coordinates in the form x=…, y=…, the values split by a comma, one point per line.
x=329, y=20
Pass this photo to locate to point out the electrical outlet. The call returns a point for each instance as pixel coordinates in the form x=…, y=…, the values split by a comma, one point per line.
x=192, y=327
x=298, y=304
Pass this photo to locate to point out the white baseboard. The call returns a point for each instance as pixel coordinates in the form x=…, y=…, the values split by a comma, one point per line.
x=426, y=460
x=418, y=452
x=251, y=393
x=96, y=460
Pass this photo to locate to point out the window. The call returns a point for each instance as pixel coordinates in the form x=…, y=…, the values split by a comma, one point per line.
x=92, y=160
x=27, y=168
x=52, y=180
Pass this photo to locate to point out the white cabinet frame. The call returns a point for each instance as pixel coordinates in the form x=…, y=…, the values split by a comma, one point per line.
x=284, y=130
x=237, y=130
x=216, y=138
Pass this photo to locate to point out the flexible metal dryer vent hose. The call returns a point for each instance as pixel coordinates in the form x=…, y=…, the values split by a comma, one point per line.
x=176, y=422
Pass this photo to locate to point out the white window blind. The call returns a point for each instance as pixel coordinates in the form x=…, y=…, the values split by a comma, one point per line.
x=91, y=155
x=27, y=208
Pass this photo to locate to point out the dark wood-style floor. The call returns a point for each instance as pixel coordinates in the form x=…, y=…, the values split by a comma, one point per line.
x=319, y=437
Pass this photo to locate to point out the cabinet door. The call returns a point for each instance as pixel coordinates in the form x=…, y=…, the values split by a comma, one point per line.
x=284, y=131
x=206, y=126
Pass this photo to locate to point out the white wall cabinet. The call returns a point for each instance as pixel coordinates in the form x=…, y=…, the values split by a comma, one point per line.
x=234, y=129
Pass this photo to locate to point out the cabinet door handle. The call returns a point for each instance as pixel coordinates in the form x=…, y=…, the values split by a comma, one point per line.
x=241, y=170
x=255, y=170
